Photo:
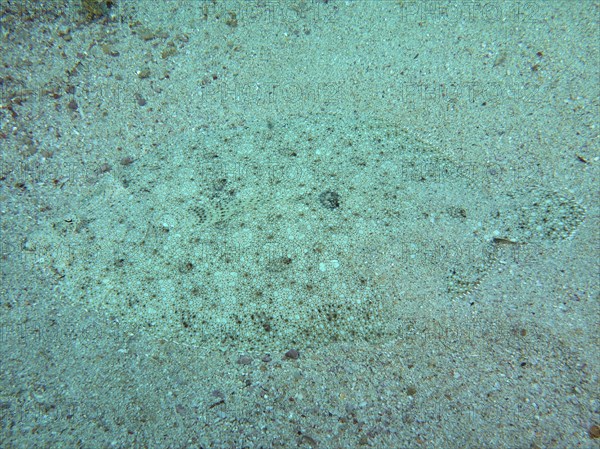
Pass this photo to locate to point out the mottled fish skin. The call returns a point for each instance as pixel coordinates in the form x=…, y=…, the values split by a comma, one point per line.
x=300, y=235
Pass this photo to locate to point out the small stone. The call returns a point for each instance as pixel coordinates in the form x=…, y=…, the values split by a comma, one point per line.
x=73, y=106
x=141, y=101
x=62, y=30
x=169, y=51
x=127, y=160
x=108, y=50
x=143, y=74
x=245, y=360
x=292, y=354
x=65, y=33
x=266, y=358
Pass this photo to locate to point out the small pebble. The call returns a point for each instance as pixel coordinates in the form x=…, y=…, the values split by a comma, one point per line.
x=143, y=74
x=245, y=360
x=141, y=101
x=292, y=354
x=266, y=358
x=127, y=160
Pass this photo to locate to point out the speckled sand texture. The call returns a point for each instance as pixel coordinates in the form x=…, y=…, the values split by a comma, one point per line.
x=306, y=223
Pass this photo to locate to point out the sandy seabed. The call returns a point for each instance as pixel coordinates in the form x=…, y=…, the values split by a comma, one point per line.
x=316, y=224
